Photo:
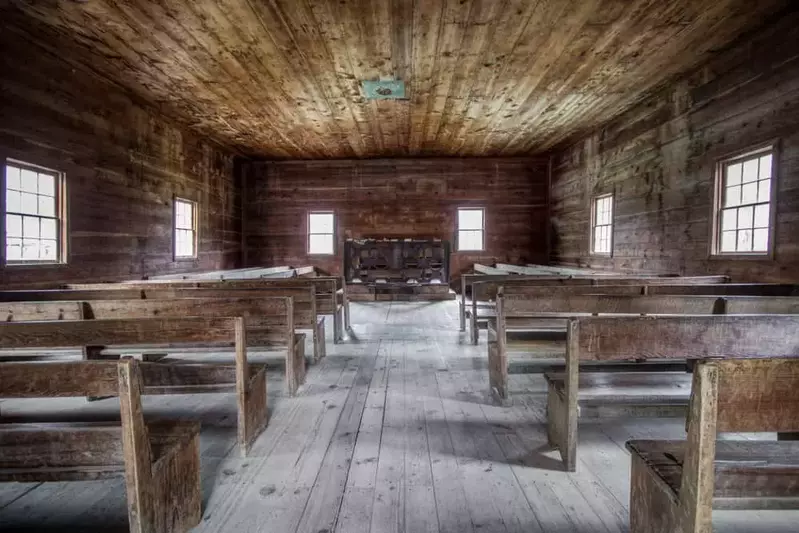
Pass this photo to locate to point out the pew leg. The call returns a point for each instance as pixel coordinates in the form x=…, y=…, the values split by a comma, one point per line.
x=337, y=333
x=320, y=334
x=497, y=371
x=253, y=410
x=652, y=510
x=347, y=323
x=474, y=331
x=555, y=417
x=462, y=314
x=93, y=353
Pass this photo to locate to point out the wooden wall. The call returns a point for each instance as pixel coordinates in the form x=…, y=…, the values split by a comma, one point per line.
x=395, y=198
x=659, y=159
x=123, y=164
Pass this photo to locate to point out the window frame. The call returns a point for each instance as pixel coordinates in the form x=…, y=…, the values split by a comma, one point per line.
x=594, y=225
x=308, y=233
x=717, y=208
x=60, y=217
x=458, y=229
x=195, y=229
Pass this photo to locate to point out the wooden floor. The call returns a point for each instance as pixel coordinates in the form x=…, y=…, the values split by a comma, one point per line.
x=394, y=431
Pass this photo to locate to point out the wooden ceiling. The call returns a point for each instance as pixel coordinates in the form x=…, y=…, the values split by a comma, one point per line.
x=281, y=78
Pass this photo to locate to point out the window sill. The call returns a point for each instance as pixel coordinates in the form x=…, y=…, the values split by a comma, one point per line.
x=35, y=264
x=742, y=257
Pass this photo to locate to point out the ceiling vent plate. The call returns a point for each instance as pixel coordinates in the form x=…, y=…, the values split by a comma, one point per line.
x=384, y=89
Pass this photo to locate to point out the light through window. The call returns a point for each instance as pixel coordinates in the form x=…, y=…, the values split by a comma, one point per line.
x=744, y=204
x=321, y=233
x=33, y=214
x=185, y=229
x=602, y=225
x=471, y=230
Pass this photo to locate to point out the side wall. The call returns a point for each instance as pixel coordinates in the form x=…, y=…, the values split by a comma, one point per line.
x=396, y=198
x=123, y=163
x=659, y=159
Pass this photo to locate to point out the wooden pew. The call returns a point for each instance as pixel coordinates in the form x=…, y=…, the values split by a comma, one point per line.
x=269, y=321
x=249, y=380
x=285, y=271
x=160, y=462
x=656, y=338
x=676, y=484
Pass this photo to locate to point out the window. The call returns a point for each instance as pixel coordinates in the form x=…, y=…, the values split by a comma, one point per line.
x=185, y=229
x=34, y=214
x=744, y=204
x=471, y=229
x=321, y=233
x=602, y=225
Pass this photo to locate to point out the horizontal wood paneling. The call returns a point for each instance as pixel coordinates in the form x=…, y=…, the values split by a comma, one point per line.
x=123, y=163
x=395, y=198
x=659, y=158
x=281, y=78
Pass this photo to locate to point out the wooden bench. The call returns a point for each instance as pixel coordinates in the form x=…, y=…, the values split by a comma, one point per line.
x=248, y=381
x=655, y=338
x=269, y=321
x=676, y=484
x=160, y=462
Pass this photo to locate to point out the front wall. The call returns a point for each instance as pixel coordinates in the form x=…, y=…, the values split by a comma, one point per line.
x=660, y=158
x=402, y=198
x=123, y=164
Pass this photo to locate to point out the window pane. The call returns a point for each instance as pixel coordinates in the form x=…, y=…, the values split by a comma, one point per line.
x=321, y=244
x=470, y=240
x=12, y=177
x=13, y=226
x=14, y=201
x=728, y=241
x=30, y=203
x=320, y=223
x=732, y=196
x=729, y=218
x=749, y=193
x=47, y=206
x=745, y=217
x=30, y=227
x=745, y=240
x=765, y=166
x=764, y=191
x=30, y=249
x=470, y=219
x=46, y=184
x=29, y=181
x=762, y=216
x=733, y=175
x=597, y=239
x=14, y=249
x=760, y=241
x=750, y=171
x=48, y=228
x=48, y=250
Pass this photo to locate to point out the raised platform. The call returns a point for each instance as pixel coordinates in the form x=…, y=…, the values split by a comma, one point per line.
x=398, y=292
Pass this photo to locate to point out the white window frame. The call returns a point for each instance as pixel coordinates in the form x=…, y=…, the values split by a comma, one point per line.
x=592, y=244
x=194, y=229
x=60, y=218
x=482, y=229
x=331, y=234
x=720, y=188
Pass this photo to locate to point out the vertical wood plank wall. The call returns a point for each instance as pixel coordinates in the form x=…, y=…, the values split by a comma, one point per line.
x=123, y=161
x=395, y=198
x=659, y=159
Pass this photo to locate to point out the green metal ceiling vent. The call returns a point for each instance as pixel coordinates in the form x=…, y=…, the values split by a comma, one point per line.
x=384, y=89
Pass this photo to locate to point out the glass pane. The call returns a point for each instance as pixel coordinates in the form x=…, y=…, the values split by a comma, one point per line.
x=30, y=203
x=764, y=191
x=597, y=239
x=320, y=223
x=750, y=170
x=321, y=244
x=30, y=249
x=48, y=228
x=13, y=226
x=14, y=249
x=745, y=240
x=732, y=196
x=729, y=218
x=46, y=184
x=12, y=177
x=470, y=219
x=760, y=241
x=749, y=193
x=733, y=175
x=765, y=166
x=13, y=201
x=762, y=216
x=745, y=217
x=470, y=240
x=728, y=241
x=29, y=181
x=48, y=250
x=30, y=227
x=47, y=206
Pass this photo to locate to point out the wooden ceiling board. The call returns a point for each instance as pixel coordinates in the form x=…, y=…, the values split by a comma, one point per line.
x=281, y=78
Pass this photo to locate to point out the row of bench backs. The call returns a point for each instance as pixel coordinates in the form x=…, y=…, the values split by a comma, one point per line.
x=660, y=337
x=163, y=484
